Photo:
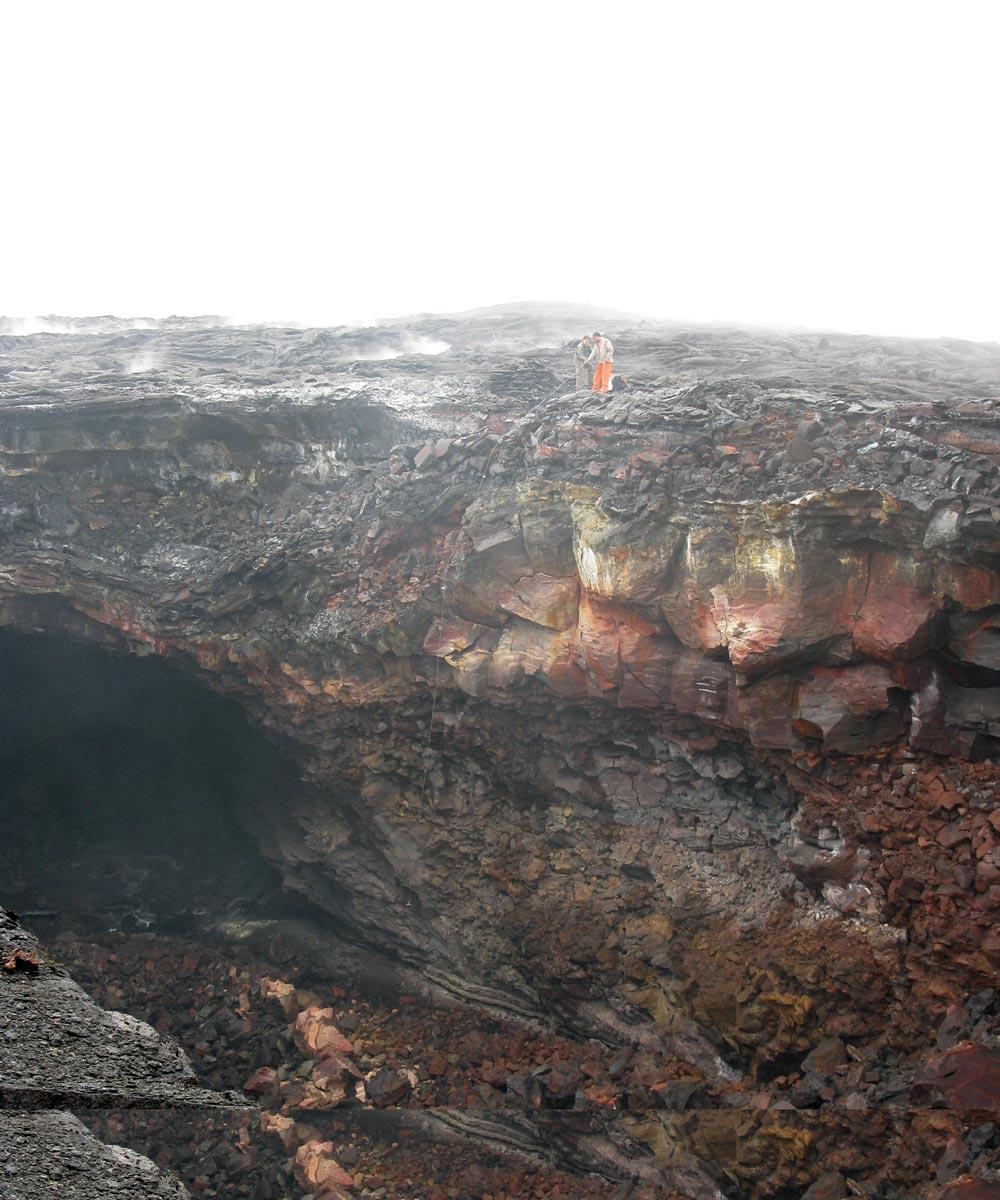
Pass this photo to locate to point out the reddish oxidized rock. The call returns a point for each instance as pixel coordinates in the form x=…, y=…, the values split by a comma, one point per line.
x=527, y=649
x=566, y=677
x=765, y=710
x=829, y=1186
x=648, y=664
x=317, y=1035
x=842, y=706
x=318, y=1171
x=281, y=1127
x=310, y=1097
x=281, y=992
x=628, y=561
x=261, y=1081
x=894, y=621
x=21, y=960
x=599, y=645
x=690, y=616
x=967, y=1188
x=784, y=602
x=973, y=587
x=387, y=1087
x=701, y=687
x=755, y=630
x=445, y=637
x=968, y=1076
x=771, y=601
x=543, y=600
x=331, y=1083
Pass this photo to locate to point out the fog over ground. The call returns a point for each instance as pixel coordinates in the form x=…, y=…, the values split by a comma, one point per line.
x=775, y=163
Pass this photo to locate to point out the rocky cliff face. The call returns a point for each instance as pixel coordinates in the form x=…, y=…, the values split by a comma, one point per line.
x=669, y=717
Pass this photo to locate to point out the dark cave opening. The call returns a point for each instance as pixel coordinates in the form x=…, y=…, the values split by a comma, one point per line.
x=130, y=794
x=126, y=788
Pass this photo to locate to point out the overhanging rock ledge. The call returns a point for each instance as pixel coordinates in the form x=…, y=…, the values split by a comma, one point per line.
x=713, y=665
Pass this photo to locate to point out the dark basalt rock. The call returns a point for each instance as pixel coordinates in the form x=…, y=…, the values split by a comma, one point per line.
x=60, y=1049
x=386, y=1087
x=670, y=716
x=47, y=1154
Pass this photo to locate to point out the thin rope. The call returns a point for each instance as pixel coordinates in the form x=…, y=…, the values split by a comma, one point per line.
x=437, y=659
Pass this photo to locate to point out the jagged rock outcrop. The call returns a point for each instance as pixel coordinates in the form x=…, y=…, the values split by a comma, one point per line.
x=672, y=715
x=59, y=1050
x=53, y=1153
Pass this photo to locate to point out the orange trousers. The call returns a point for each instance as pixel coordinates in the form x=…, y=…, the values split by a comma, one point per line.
x=602, y=377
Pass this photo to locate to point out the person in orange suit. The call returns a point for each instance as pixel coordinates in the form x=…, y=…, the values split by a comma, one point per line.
x=602, y=360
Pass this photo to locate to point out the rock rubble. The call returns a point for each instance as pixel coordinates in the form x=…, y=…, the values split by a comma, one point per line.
x=669, y=719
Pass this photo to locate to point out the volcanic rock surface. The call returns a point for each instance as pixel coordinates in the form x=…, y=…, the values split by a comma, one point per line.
x=53, y=1154
x=668, y=718
x=60, y=1050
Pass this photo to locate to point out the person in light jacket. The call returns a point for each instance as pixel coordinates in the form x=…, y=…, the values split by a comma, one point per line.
x=602, y=359
x=584, y=374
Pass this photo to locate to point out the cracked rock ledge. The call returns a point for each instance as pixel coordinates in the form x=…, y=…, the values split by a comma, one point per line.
x=668, y=719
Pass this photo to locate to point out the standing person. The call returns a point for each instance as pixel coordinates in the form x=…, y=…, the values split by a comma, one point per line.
x=584, y=375
x=602, y=357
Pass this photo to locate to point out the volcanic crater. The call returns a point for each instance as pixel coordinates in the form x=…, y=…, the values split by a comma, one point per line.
x=474, y=788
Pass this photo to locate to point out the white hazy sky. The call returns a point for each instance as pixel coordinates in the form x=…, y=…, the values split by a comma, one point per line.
x=809, y=163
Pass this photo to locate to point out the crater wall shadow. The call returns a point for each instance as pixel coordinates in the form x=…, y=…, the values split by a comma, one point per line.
x=123, y=783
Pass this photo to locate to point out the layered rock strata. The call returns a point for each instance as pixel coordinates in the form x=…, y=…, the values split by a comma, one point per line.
x=670, y=717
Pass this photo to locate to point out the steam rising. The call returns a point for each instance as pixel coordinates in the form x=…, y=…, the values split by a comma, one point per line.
x=30, y=326
x=145, y=360
x=408, y=343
